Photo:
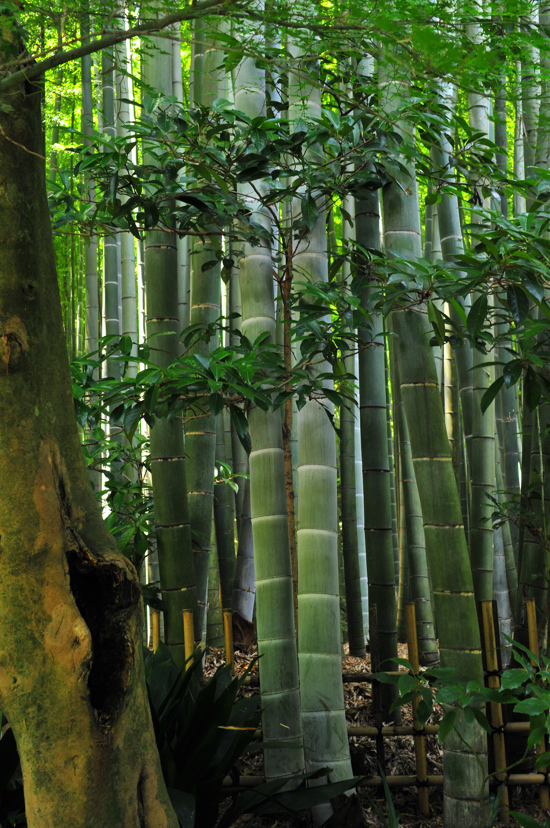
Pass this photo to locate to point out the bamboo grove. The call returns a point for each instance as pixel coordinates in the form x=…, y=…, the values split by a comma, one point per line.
x=303, y=258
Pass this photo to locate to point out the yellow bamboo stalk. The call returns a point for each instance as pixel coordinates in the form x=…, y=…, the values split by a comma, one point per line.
x=534, y=647
x=155, y=629
x=493, y=681
x=188, y=636
x=228, y=635
x=419, y=738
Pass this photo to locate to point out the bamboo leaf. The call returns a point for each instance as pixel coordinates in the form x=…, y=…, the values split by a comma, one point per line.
x=518, y=303
x=490, y=394
x=477, y=315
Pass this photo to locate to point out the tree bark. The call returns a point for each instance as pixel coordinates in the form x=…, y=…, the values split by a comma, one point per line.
x=71, y=678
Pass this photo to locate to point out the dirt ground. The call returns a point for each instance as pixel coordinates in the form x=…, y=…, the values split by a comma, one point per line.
x=399, y=760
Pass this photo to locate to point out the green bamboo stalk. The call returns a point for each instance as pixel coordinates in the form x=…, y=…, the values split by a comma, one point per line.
x=110, y=242
x=200, y=431
x=360, y=513
x=458, y=629
x=507, y=547
x=244, y=587
x=520, y=205
x=125, y=114
x=452, y=245
x=182, y=241
x=354, y=604
x=214, y=626
x=375, y=459
x=392, y=466
x=419, y=578
x=482, y=460
x=322, y=699
x=501, y=132
x=168, y=463
x=530, y=92
x=533, y=573
x=447, y=552
x=348, y=499
x=224, y=521
x=279, y=682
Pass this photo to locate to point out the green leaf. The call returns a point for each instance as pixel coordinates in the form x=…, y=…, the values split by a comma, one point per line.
x=531, y=389
x=446, y=725
x=524, y=820
x=310, y=212
x=438, y=323
x=512, y=372
x=513, y=678
x=490, y=394
x=406, y=684
x=532, y=706
x=518, y=303
x=477, y=315
x=482, y=719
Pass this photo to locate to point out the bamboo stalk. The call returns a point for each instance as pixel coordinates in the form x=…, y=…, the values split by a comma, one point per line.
x=188, y=635
x=435, y=781
x=155, y=629
x=419, y=738
x=534, y=647
x=493, y=681
x=376, y=687
x=228, y=635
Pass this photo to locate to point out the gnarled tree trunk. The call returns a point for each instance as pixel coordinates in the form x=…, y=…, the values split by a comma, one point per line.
x=71, y=678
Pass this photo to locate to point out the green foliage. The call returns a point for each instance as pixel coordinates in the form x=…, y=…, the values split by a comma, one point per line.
x=527, y=688
x=201, y=731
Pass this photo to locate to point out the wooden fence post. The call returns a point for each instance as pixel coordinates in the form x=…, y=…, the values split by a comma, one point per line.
x=419, y=733
x=534, y=647
x=495, y=714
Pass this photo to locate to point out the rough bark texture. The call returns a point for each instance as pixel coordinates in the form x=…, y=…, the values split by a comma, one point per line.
x=71, y=679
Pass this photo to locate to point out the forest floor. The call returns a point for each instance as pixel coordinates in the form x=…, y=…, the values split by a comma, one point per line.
x=399, y=761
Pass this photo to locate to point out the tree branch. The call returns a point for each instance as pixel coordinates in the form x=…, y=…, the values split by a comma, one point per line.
x=112, y=39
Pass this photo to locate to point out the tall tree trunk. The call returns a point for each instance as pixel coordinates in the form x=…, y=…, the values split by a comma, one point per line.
x=72, y=682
